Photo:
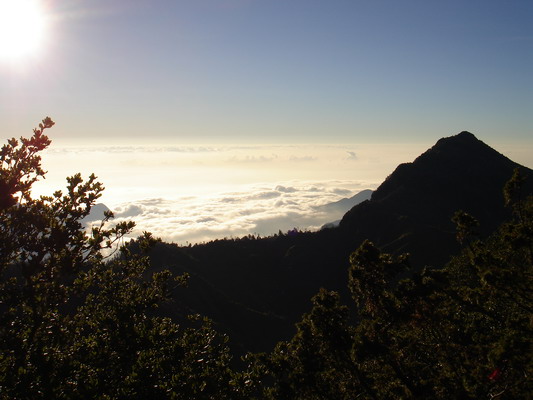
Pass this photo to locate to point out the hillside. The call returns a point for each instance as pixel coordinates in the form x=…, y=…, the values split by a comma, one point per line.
x=256, y=289
x=417, y=201
x=341, y=206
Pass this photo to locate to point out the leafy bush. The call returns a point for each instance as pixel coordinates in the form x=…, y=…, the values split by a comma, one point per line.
x=77, y=324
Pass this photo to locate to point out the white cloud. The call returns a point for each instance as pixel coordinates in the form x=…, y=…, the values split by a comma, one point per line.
x=254, y=210
x=198, y=193
x=131, y=210
x=252, y=159
x=351, y=155
x=342, y=192
x=303, y=158
x=285, y=189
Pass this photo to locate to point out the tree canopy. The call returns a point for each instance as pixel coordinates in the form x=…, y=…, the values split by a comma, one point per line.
x=75, y=323
x=463, y=331
x=80, y=312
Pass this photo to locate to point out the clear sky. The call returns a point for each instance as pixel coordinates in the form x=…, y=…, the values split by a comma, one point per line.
x=211, y=118
x=270, y=71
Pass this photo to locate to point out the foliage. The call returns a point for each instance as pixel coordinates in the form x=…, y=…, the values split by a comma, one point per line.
x=256, y=289
x=77, y=324
x=315, y=364
x=464, y=331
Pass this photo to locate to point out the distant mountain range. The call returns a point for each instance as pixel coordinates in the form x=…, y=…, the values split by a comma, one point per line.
x=96, y=214
x=344, y=205
x=256, y=289
x=334, y=209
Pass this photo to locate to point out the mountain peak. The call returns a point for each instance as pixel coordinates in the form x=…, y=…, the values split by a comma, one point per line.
x=419, y=198
x=457, y=163
x=463, y=138
x=465, y=134
x=453, y=155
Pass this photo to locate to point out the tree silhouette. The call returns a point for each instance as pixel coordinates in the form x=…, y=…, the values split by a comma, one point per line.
x=75, y=323
x=463, y=331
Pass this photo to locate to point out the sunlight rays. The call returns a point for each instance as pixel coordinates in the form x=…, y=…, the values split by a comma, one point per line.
x=22, y=29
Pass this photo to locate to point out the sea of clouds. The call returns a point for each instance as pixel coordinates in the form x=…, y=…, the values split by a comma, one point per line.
x=192, y=194
x=259, y=210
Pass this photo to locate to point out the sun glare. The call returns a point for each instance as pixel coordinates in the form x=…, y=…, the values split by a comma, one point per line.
x=22, y=27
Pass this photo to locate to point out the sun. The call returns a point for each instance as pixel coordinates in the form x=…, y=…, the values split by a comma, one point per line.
x=22, y=28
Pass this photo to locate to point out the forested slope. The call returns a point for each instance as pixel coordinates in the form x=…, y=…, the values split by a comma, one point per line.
x=76, y=323
x=256, y=288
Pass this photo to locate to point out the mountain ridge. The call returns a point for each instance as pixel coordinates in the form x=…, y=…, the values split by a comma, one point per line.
x=344, y=205
x=256, y=289
x=458, y=173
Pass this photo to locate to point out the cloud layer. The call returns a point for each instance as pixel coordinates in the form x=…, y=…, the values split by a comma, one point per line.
x=260, y=210
x=199, y=193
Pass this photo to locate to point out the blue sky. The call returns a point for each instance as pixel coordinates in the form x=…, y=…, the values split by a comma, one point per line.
x=195, y=113
x=273, y=71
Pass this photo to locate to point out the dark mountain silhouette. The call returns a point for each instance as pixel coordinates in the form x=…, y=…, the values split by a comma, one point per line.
x=341, y=206
x=97, y=213
x=412, y=209
x=256, y=289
